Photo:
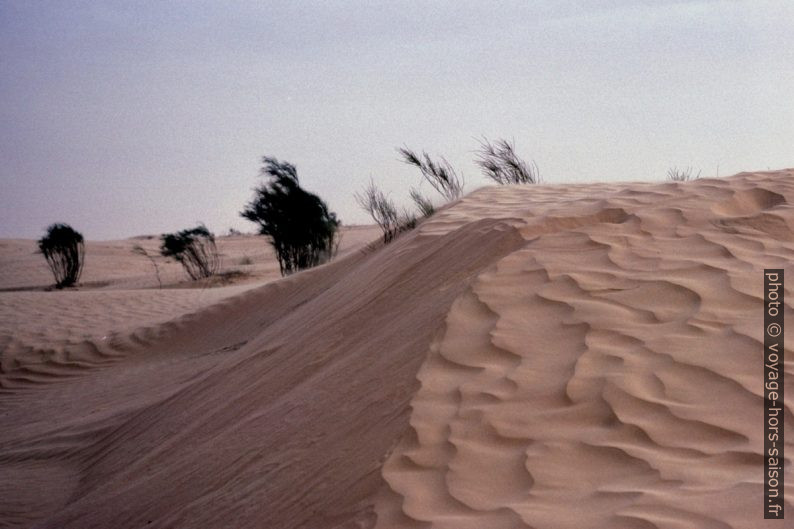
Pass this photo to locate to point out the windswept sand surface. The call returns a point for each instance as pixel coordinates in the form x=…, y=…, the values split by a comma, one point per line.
x=580, y=356
x=119, y=298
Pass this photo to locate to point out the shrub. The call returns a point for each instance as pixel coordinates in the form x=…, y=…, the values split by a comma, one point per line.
x=423, y=204
x=303, y=232
x=441, y=175
x=383, y=211
x=407, y=221
x=194, y=249
x=674, y=174
x=64, y=250
x=500, y=163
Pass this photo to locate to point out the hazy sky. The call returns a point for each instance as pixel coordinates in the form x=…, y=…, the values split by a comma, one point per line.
x=126, y=118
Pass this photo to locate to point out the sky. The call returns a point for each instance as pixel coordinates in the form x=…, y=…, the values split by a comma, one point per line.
x=145, y=117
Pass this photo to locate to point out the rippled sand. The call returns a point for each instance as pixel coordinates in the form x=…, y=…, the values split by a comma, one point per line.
x=556, y=356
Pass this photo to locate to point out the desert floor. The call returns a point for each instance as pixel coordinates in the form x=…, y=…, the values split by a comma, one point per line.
x=554, y=356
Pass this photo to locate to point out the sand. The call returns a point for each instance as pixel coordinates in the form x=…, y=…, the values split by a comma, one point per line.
x=556, y=356
x=119, y=298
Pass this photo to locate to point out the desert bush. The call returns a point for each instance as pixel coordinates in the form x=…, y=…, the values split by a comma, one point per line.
x=439, y=174
x=64, y=250
x=383, y=211
x=408, y=221
x=302, y=231
x=140, y=250
x=423, y=204
x=674, y=174
x=194, y=249
x=500, y=163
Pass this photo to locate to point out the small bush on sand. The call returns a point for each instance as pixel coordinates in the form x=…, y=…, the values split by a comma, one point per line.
x=303, y=232
x=194, y=249
x=674, y=174
x=423, y=204
x=64, y=250
x=383, y=211
x=500, y=163
x=439, y=174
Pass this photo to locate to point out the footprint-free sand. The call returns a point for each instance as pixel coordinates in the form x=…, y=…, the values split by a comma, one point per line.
x=554, y=356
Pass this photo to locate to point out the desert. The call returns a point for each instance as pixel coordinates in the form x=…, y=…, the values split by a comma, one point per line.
x=408, y=264
x=579, y=356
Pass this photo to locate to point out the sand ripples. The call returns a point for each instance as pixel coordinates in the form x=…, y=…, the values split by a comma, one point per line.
x=602, y=375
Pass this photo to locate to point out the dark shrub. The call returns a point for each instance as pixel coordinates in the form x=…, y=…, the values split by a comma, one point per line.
x=439, y=174
x=423, y=204
x=194, y=249
x=383, y=211
x=674, y=174
x=64, y=250
x=500, y=163
x=301, y=229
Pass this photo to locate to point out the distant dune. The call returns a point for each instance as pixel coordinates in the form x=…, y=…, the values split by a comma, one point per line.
x=555, y=356
x=112, y=265
x=118, y=297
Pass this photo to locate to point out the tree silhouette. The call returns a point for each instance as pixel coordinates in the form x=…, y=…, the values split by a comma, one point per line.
x=302, y=230
x=64, y=250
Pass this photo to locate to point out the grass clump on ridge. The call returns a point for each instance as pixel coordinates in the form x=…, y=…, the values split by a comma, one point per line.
x=385, y=214
x=499, y=162
x=439, y=174
x=685, y=174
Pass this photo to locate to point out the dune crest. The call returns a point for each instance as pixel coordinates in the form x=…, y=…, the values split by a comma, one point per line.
x=606, y=374
x=556, y=356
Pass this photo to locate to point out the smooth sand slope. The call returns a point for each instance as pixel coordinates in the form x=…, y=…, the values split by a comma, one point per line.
x=580, y=356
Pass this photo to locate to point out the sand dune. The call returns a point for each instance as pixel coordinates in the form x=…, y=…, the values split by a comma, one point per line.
x=577, y=356
x=112, y=265
x=119, y=301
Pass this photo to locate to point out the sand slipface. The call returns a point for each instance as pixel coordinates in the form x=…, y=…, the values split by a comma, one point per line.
x=579, y=356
